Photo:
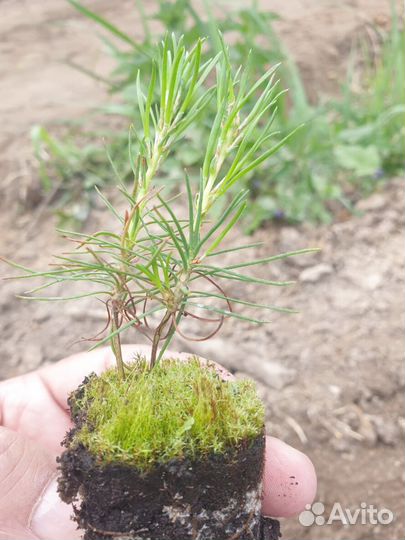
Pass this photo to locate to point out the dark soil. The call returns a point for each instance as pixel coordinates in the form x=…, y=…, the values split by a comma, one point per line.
x=215, y=498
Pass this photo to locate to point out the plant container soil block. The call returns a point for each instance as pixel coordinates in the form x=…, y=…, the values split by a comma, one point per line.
x=217, y=497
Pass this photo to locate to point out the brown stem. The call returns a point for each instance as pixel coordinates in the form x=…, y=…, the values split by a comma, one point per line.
x=116, y=343
x=157, y=337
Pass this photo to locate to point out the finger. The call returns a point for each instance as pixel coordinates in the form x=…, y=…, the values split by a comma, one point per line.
x=289, y=481
x=27, y=406
x=29, y=505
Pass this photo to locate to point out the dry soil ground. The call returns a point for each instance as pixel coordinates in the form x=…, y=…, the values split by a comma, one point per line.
x=332, y=376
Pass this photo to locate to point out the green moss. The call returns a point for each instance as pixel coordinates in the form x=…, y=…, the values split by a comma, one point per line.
x=177, y=409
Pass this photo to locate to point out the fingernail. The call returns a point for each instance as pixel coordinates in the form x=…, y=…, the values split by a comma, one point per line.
x=51, y=517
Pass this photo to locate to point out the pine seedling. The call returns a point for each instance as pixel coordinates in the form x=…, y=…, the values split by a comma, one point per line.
x=154, y=265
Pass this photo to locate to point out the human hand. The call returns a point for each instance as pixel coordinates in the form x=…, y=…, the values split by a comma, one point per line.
x=34, y=419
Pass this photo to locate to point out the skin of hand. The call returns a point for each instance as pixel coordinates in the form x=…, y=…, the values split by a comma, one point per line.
x=34, y=419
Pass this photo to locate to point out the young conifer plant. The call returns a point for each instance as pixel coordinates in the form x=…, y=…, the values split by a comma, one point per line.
x=155, y=255
x=142, y=421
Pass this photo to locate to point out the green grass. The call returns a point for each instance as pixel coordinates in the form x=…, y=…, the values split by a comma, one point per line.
x=178, y=409
x=371, y=120
x=347, y=145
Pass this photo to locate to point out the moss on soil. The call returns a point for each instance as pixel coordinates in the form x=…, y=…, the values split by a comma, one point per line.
x=178, y=409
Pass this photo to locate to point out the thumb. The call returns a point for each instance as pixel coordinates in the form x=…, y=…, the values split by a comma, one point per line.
x=30, y=507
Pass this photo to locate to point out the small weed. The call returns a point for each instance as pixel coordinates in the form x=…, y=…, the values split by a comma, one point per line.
x=371, y=120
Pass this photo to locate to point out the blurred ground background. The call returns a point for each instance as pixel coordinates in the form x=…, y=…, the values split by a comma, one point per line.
x=332, y=376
